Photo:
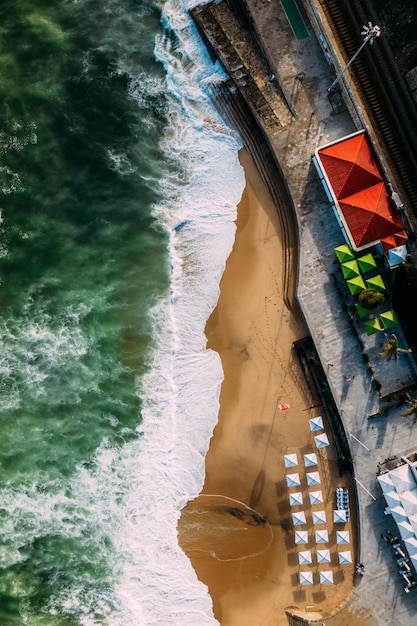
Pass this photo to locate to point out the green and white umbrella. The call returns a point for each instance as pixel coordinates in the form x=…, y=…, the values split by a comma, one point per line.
x=366, y=263
x=372, y=326
x=362, y=311
x=388, y=319
x=350, y=269
x=356, y=285
x=376, y=283
x=344, y=253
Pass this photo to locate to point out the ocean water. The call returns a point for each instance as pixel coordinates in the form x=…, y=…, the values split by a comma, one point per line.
x=119, y=184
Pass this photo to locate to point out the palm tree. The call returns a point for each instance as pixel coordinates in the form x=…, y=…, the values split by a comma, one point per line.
x=392, y=349
x=413, y=407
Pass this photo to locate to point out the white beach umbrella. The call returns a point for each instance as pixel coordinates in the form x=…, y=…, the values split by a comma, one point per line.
x=304, y=558
x=392, y=498
x=322, y=536
x=406, y=530
x=321, y=440
x=402, y=478
x=293, y=480
x=340, y=516
x=298, y=518
x=313, y=478
x=296, y=498
x=326, y=578
x=316, y=497
x=345, y=557
x=410, y=542
x=319, y=517
x=399, y=512
x=290, y=460
x=323, y=556
x=409, y=501
x=386, y=483
x=301, y=536
x=310, y=459
x=316, y=423
x=306, y=578
x=342, y=536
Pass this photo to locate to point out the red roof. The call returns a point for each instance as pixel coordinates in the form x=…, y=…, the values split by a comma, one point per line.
x=358, y=186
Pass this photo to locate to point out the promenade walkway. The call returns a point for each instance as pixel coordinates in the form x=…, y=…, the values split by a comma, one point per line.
x=304, y=76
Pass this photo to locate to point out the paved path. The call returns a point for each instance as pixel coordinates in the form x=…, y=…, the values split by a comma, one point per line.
x=304, y=76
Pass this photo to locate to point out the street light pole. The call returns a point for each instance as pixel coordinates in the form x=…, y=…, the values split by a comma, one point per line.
x=371, y=33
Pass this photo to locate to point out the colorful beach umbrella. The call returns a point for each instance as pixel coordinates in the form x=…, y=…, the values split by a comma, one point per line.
x=388, y=319
x=322, y=536
x=293, y=480
x=372, y=326
x=356, y=285
x=340, y=516
x=316, y=497
x=321, y=440
x=296, y=498
x=397, y=255
x=313, y=478
x=298, y=518
x=350, y=269
x=344, y=253
x=301, y=536
x=323, y=556
x=326, y=578
x=319, y=517
x=406, y=530
x=342, y=536
x=316, y=423
x=290, y=460
x=410, y=543
x=304, y=558
x=345, y=557
x=376, y=283
x=366, y=263
x=362, y=311
x=306, y=578
x=310, y=459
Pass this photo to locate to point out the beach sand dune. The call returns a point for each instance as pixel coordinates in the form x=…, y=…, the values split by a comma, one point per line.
x=239, y=533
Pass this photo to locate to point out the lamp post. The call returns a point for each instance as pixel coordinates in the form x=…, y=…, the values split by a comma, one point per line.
x=370, y=33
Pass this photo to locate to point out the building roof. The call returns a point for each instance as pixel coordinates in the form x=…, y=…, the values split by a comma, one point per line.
x=356, y=182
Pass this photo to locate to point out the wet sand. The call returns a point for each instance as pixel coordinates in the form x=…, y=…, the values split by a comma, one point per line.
x=250, y=563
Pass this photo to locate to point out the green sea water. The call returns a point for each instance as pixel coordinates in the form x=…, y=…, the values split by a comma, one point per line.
x=82, y=261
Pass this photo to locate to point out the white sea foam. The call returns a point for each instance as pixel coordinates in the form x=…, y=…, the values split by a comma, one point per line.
x=180, y=394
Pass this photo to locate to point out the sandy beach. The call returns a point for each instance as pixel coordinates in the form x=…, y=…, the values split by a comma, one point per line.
x=239, y=533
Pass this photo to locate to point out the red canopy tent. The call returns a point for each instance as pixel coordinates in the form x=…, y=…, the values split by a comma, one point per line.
x=357, y=184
